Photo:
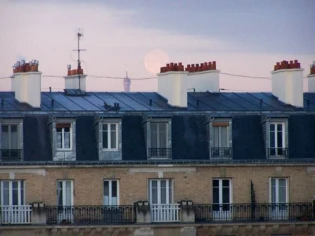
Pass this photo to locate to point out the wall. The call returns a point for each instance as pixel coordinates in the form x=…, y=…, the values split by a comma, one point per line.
x=193, y=183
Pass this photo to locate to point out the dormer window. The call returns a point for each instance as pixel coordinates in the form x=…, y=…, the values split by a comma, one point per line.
x=158, y=132
x=221, y=138
x=110, y=136
x=11, y=140
x=277, y=139
x=64, y=140
x=63, y=131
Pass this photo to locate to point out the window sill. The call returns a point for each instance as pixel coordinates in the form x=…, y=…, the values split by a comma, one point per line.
x=110, y=150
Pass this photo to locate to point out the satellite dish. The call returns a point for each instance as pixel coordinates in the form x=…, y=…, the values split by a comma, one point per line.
x=79, y=32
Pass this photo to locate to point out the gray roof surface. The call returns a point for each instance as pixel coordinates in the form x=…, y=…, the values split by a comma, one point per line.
x=140, y=101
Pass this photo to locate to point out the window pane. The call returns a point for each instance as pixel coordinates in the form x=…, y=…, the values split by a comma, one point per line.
x=154, y=199
x=113, y=136
x=170, y=192
x=226, y=195
x=14, y=137
x=154, y=143
x=163, y=192
x=162, y=135
x=5, y=137
x=225, y=183
x=273, y=191
x=105, y=136
x=282, y=191
x=59, y=193
x=59, y=140
x=272, y=139
x=215, y=183
x=215, y=194
x=22, y=193
x=279, y=136
x=216, y=136
x=67, y=140
x=106, y=193
x=6, y=193
x=224, y=136
x=114, y=188
x=68, y=194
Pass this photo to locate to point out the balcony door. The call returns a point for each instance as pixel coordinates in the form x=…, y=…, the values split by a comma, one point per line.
x=159, y=140
x=10, y=147
x=279, y=198
x=161, y=201
x=65, y=201
x=222, y=195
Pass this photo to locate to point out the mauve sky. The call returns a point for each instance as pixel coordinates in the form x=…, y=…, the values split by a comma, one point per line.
x=245, y=37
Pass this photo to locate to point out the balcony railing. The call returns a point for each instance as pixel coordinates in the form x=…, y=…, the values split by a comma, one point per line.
x=15, y=214
x=278, y=152
x=163, y=153
x=221, y=152
x=11, y=155
x=254, y=212
x=165, y=212
x=88, y=215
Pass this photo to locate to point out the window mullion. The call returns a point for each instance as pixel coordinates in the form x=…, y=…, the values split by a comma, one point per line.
x=110, y=192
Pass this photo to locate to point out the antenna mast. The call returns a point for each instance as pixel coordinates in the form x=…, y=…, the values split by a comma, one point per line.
x=79, y=34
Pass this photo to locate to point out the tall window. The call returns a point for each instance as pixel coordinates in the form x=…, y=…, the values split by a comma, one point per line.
x=220, y=132
x=12, y=192
x=221, y=193
x=159, y=140
x=161, y=191
x=111, y=192
x=65, y=192
x=279, y=198
x=277, y=139
x=64, y=135
x=10, y=142
x=110, y=136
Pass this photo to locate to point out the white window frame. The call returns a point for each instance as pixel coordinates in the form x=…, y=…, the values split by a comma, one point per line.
x=276, y=147
x=64, y=191
x=63, y=137
x=21, y=200
x=168, y=183
x=110, y=194
x=276, y=134
x=213, y=138
x=109, y=133
x=277, y=189
x=158, y=123
x=221, y=190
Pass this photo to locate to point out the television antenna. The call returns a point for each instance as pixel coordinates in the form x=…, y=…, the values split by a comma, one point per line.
x=79, y=35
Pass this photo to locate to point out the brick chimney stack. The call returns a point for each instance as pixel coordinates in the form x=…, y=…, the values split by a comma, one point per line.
x=311, y=78
x=26, y=83
x=287, y=82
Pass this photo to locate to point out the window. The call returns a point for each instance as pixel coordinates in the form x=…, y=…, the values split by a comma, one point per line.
x=277, y=139
x=161, y=191
x=222, y=196
x=12, y=192
x=65, y=192
x=111, y=193
x=64, y=136
x=220, y=139
x=159, y=143
x=10, y=142
x=65, y=201
x=279, y=198
x=110, y=136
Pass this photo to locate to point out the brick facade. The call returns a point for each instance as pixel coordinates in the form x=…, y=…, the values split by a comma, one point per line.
x=193, y=182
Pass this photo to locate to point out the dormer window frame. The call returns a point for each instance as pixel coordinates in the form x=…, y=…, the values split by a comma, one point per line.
x=12, y=151
x=274, y=149
x=217, y=149
x=109, y=123
x=159, y=152
x=63, y=135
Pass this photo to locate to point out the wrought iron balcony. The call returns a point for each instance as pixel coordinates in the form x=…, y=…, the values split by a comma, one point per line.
x=163, y=153
x=11, y=155
x=278, y=152
x=221, y=152
x=90, y=215
x=254, y=212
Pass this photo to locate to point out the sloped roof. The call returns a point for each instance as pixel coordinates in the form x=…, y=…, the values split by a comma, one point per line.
x=152, y=101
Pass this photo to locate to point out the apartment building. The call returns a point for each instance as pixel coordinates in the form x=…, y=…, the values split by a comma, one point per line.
x=203, y=162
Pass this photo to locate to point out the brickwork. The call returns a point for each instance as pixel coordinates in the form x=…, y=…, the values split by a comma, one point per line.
x=194, y=185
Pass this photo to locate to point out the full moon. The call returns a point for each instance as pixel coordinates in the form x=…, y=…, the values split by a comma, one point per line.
x=154, y=60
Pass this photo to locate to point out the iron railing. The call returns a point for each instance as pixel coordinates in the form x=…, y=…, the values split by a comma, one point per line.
x=88, y=215
x=160, y=153
x=221, y=152
x=254, y=212
x=11, y=155
x=278, y=152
